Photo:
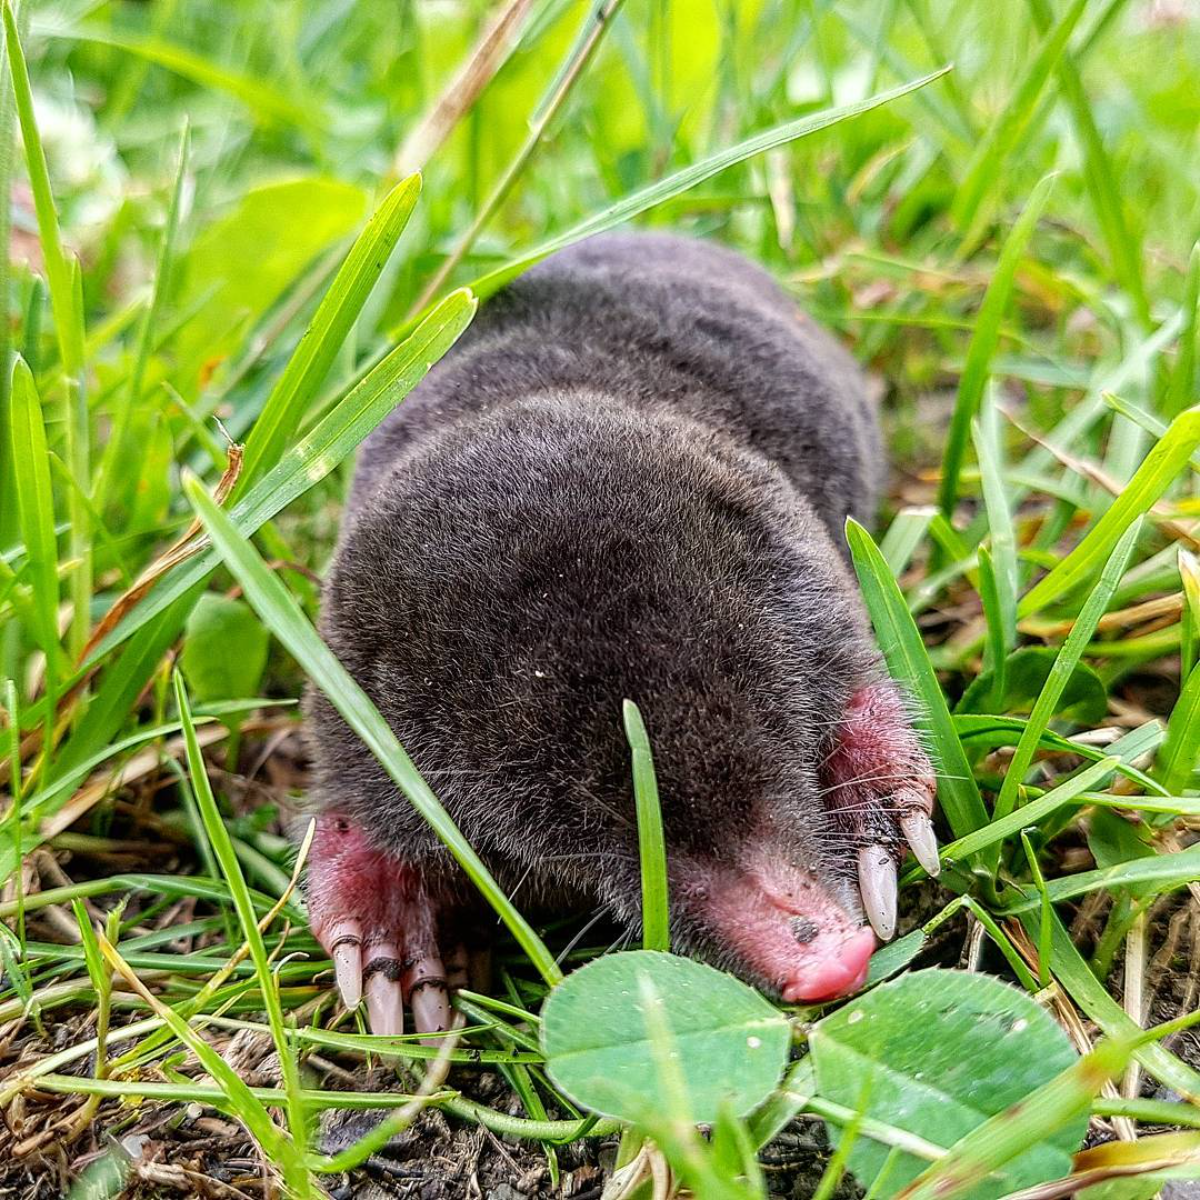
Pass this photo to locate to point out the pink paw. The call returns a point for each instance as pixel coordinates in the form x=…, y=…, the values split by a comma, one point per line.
x=378, y=923
x=880, y=786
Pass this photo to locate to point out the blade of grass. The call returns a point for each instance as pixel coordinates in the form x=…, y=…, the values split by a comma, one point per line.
x=15, y=816
x=1181, y=751
x=1064, y=666
x=327, y=331
x=318, y=452
x=688, y=177
x=600, y=17
x=222, y=847
x=122, y=414
x=1167, y=871
x=267, y=103
x=986, y=168
x=997, y=644
x=656, y=914
x=1189, y=640
x=1158, y=472
x=280, y=612
x=908, y=662
x=1139, y=416
x=242, y=1101
x=62, y=277
x=1029, y=815
x=1181, y=391
x=977, y=367
x=35, y=505
x=903, y=537
x=7, y=161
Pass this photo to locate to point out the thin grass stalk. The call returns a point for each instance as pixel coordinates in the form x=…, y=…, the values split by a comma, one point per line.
x=127, y=403
x=64, y=281
x=219, y=840
x=656, y=915
x=598, y=22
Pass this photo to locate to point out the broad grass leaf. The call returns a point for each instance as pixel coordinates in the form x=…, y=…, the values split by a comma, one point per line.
x=728, y=1044
x=35, y=505
x=937, y=1053
x=908, y=661
x=1158, y=472
x=322, y=449
x=656, y=914
x=1181, y=751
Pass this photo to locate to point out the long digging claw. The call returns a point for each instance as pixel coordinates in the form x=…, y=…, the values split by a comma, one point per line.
x=918, y=832
x=877, y=883
x=429, y=998
x=385, y=997
x=346, y=943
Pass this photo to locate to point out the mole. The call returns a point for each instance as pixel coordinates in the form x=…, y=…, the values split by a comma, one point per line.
x=628, y=480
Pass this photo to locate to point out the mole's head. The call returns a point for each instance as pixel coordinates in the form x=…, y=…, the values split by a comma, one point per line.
x=508, y=585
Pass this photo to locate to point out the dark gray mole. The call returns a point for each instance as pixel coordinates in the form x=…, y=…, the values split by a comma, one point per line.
x=628, y=480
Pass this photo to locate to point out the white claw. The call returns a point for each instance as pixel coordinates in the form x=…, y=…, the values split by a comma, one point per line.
x=918, y=830
x=346, y=940
x=428, y=998
x=877, y=883
x=385, y=998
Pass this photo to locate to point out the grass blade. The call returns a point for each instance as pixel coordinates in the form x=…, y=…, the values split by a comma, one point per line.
x=35, y=506
x=222, y=846
x=267, y=103
x=1064, y=666
x=1189, y=633
x=1181, y=750
x=904, y=535
x=1004, y=827
x=330, y=325
x=680, y=181
x=1158, y=472
x=983, y=344
x=65, y=301
x=656, y=914
x=1181, y=393
x=318, y=452
x=278, y=610
x=1000, y=138
x=908, y=662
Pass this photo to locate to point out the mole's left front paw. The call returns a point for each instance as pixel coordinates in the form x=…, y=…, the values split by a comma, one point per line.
x=880, y=787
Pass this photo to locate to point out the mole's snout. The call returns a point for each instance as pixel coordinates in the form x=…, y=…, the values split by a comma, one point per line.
x=782, y=925
x=836, y=966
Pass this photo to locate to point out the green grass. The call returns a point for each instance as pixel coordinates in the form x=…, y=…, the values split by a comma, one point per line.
x=213, y=243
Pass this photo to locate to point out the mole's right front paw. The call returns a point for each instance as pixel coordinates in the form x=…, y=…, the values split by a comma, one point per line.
x=378, y=923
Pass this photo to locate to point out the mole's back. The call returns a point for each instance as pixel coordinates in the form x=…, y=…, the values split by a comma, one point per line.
x=663, y=321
